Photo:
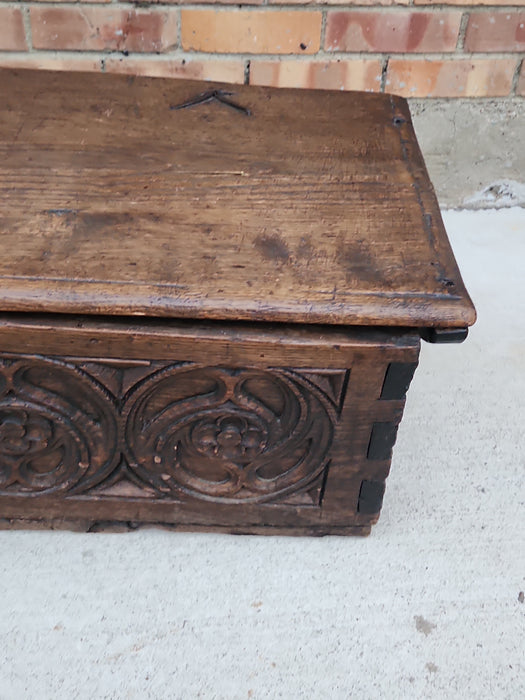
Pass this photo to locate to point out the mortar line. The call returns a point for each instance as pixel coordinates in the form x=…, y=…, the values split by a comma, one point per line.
x=179, y=28
x=322, y=38
x=241, y=57
x=515, y=79
x=384, y=70
x=462, y=32
x=27, y=29
x=375, y=9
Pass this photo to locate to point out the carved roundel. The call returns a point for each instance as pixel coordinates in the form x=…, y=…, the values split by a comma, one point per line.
x=227, y=435
x=57, y=428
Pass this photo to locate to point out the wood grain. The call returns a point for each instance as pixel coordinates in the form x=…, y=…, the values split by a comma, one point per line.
x=258, y=344
x=179, y=199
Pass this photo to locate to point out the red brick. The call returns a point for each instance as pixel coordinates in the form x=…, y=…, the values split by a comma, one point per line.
x=205, y=2
x=353, y=74
x=496, y=31
x=251, y=31
x=374, y=3
x=83, y=1
x=392, y=32
x=224, y=71
x=103, y=28
x=469, y=2
x=51, y=62
x=12, y=33
x=481, y=77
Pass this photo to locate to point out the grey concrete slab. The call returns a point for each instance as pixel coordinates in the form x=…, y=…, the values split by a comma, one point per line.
x=426, y=607
x=473, y=150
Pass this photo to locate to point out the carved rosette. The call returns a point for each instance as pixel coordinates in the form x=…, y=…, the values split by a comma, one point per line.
x=227, y=435
x=58, y=429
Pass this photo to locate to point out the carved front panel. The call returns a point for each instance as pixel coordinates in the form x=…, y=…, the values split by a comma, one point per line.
x=227, y=434
x=58, y=427
x=170, y=431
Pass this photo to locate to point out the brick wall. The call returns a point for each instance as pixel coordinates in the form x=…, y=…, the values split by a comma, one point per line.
x=416, y=48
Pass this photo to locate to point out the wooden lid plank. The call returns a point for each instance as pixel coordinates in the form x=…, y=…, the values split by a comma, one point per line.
x=182, y=199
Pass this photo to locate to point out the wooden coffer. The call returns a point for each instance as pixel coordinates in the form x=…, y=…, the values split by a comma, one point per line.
x=211, y=302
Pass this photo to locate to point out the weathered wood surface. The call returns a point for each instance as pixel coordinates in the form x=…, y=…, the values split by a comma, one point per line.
x=119, y=197
x=298, y=442
x=230, y=344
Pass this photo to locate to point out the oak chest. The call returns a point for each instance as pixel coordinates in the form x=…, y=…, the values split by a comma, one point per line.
x=212, y=299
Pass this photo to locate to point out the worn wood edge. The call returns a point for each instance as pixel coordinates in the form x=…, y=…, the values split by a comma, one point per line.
x=187, y=514
x=431, y=213
x=303, y=334
x=116, y=526
x=363, y=309
x=236, y=343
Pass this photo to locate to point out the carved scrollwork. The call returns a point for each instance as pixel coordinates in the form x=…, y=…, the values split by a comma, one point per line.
x=180, y=430
x=58, y=429
x=227, y=435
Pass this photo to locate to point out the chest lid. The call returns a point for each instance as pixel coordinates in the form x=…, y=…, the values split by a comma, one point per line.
x=185, y=199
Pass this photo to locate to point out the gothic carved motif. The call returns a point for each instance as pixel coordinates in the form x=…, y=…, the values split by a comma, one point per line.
x=58, y=428
x=235, y=435
x=175, y=430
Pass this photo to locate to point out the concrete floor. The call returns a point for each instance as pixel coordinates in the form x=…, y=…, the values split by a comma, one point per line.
x=470, y=150
x=427, y=607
